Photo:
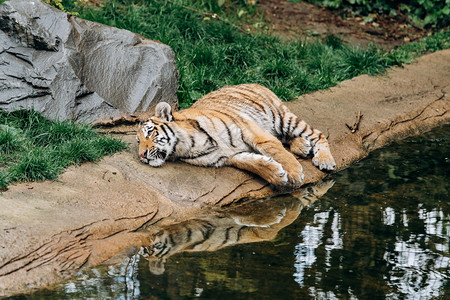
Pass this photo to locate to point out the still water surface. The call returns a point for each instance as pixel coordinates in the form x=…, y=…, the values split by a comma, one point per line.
x=382, y=231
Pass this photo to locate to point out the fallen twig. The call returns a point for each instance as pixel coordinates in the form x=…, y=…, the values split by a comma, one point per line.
x=409, y=21
x=355, y=126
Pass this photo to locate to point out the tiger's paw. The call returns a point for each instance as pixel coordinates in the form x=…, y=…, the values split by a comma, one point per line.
x=324, y=162
x=295, y=173
x=274, y=172
x=300, y=146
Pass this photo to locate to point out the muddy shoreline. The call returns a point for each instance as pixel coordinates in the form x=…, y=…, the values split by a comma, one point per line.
x=50, y=230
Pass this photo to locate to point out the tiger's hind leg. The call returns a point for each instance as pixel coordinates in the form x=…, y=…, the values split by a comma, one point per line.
x=304, y=139
x=264, y=166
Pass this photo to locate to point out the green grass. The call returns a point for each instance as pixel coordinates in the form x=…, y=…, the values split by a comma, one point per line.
x=211, y=53
x=34, y=148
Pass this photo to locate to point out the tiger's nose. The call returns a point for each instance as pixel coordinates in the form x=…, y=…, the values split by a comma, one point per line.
x=144, y=154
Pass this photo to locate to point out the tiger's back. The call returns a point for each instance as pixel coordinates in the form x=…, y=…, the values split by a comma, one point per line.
x=247, y=101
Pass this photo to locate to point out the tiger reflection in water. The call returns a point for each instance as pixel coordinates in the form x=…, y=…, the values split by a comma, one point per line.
x=255, y=221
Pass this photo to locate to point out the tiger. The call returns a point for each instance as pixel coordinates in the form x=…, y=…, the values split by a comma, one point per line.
x=245, y=126
x=215, y=230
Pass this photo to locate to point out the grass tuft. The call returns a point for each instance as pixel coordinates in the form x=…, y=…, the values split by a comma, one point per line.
x=11, y=140
x=357, y=61
x=34, y=148
x=78, y=151
x=35, y=165
x=107, y=145
x=4, y=180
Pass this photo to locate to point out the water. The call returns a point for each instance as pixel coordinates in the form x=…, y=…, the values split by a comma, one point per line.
x=382, y=231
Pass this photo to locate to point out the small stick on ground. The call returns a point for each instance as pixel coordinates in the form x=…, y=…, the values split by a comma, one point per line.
x=355, y=126
x=409, y=21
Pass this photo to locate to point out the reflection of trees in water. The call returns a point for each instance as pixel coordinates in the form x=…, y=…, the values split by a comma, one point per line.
x=312, y=237
x=390, y=238
x=340, y=254
x=117, y=281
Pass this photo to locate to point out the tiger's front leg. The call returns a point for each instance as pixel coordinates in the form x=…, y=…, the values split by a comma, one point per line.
x=264, y=166
x=268, y=145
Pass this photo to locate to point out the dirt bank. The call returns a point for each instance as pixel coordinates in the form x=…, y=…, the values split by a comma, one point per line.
x=50, y=230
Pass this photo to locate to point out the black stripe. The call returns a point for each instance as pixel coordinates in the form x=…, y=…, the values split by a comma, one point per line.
x=256, y=95
x=232, y=118
x=203, y=153
x=171, y=239
x=248, y=144
x=163, y=129
x=169, y=137
x=197, y=126
x=227, y=236
x=230, y=137
x=288, y=125
x=206, y=235
x=296, y=124
x=166, y=252
x=273, y=118
x=317, y=137
x=249, y=98
x=217, y=161
x=209, y=229
x=303, y=130
x=308, y=135
x=261, y=106
x=170, y=129
x=281, y=122
x=239, y=233
x=189, y=235
x=240, y=152
x=163, y=251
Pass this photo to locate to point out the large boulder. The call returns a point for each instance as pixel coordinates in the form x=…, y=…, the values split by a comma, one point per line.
x=70, y=68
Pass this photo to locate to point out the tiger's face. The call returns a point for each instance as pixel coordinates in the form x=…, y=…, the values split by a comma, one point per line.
x=156, y=143
x=156, y=138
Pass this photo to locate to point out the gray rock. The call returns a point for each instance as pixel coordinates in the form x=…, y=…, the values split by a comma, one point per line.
x=70, y=68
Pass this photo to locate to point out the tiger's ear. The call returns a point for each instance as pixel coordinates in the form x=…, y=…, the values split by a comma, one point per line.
x=164, y=111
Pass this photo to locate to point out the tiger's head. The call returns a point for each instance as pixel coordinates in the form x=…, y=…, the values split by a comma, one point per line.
x=156, y=138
